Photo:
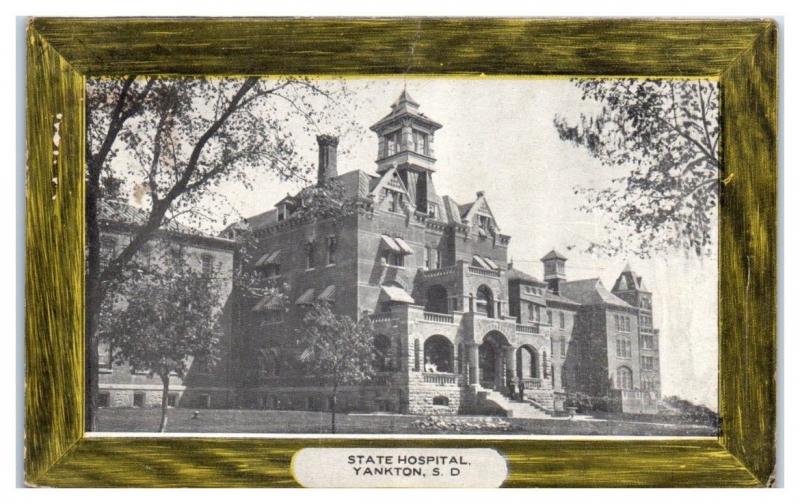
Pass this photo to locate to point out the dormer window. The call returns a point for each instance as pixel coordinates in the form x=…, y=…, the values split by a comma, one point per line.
x=283, y=212
x=433, y=210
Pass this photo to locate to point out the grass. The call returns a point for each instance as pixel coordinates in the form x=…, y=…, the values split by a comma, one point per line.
x=312, y=422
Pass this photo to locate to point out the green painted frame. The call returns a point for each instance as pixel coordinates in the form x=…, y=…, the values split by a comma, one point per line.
x=62, y=52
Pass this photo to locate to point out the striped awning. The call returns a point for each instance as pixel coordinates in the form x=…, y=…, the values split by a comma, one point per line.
x=329, y=294
x=390, y=243
x=306, y=298
x=268, y=302
x=491, y=263
x=405, y=249
x=268, y=258
x=478, y=261
x=396, y=294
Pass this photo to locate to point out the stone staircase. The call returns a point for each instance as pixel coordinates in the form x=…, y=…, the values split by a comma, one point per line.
x=513, y=408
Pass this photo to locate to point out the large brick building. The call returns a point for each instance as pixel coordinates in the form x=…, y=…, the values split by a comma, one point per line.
x=457, y=324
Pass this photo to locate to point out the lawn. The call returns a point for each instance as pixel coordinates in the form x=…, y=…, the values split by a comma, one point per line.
x=312, y=422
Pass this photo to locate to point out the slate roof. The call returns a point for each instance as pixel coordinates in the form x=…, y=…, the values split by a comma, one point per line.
x=553, y=255
x=590, y=291
x=515, y=274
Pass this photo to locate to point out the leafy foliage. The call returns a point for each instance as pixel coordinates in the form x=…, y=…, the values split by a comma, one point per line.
x=164, y=319
x=667, y=133
x=336, y=349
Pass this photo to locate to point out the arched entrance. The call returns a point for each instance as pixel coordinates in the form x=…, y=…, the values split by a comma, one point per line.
x=491, y=362
x=527, y=362
x=438, y=352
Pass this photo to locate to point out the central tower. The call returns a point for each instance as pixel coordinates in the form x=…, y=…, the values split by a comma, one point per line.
x=405, y=142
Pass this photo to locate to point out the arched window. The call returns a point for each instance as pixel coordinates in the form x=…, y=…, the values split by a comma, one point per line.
x=381, y=349
x=484, y=301
x=438, y=353
x=527, y=366
x=624, y=378
x=268, y=362
x=436, y=299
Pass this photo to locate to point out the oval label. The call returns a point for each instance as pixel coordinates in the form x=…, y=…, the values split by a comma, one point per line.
x=399, y=467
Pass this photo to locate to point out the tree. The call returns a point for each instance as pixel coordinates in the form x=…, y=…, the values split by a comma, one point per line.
x=336, y=349
x=666, y=132
x=174, y=143
x=162, y=319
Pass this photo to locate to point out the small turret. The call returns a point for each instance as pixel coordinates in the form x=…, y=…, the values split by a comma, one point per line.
x=554, y=270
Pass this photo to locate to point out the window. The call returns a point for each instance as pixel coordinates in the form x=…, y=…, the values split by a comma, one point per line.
x=433, y=210
x=172, y=400
x=103, y=400
x=623, y=348
x=331, y=250
x=624, y=378
x=432, y=259
x=484, y=302
x=562, y=342
x=393, y=258
x=420, y=140
x=648, y=363
x=561, y=322
x=283, y=212
x=549, y=317
x=622, y=323
x=204, y=401
x=395, y=200
x=208, y=264
x=441, y=401
x=138, y=399
x=310, y=264
x=393, y=141
x=647, y=341
x=427, y=258
x=530, y=311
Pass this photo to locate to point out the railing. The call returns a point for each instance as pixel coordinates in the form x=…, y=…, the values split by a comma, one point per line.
x=442, y=379
x=532, y=383
x=528, y=329
x=382, y=317
x=477, y=270
x=435, y=273
x=440, y=318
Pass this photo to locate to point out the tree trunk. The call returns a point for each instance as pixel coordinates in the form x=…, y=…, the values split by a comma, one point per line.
x=164, y=403
x=333, y=411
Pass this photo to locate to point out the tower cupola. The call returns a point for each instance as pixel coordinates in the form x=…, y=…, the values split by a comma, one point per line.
x=554, y=270
x=405, y=142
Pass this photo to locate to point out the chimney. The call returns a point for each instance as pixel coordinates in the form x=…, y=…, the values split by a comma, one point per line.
x=327, y=157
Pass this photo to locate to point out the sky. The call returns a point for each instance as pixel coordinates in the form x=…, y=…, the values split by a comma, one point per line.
x=498, y=137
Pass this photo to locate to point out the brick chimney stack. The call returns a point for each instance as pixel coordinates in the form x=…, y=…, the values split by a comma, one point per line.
x=327, y=157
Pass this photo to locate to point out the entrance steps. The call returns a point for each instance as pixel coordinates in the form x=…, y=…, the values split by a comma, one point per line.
x=514, y=408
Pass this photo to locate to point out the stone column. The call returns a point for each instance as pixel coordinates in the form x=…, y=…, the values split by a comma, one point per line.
x=472, y=364
x=511, y=362
x=499, y=371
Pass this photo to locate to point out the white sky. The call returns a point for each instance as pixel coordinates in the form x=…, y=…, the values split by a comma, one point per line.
x=498, y=136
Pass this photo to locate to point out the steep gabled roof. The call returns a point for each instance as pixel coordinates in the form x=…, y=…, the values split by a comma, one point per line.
x=590, y=291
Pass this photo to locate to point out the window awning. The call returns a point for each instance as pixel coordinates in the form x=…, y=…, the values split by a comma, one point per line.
x=268, y=302
x=478, y=261
x=268, y=258
x=406, y=250
x=493, y=265
x=391, y=244
x=396, y=294
x=306, y=298
x=328, y=294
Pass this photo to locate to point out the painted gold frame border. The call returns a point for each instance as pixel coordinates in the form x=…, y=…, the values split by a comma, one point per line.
x=61, y=53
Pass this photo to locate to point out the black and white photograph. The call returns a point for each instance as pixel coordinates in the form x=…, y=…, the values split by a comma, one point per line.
x=402, y=256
